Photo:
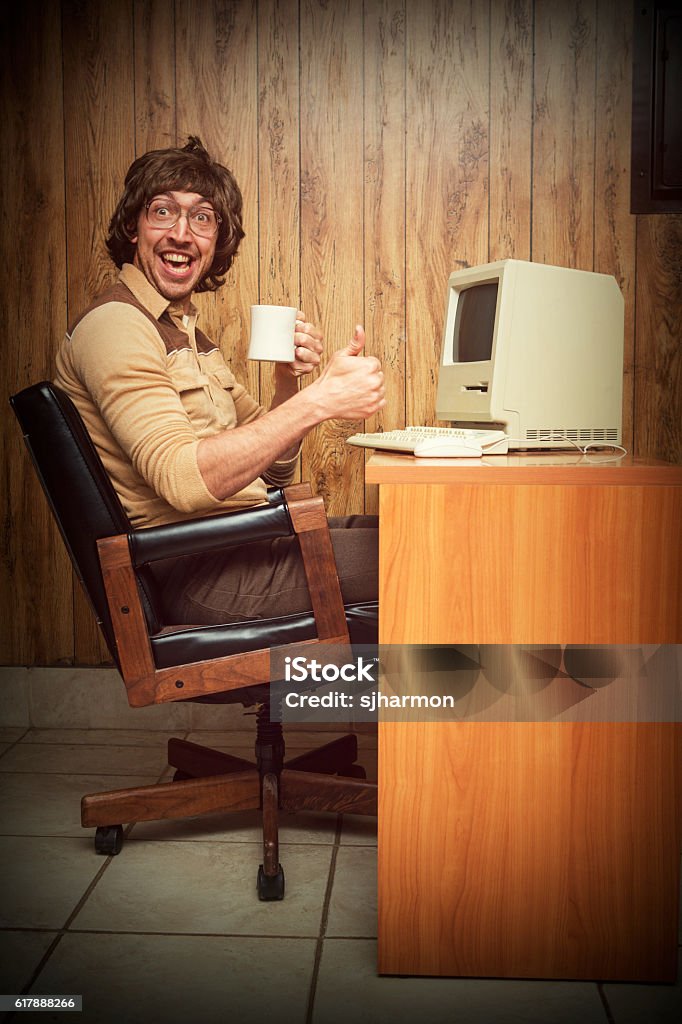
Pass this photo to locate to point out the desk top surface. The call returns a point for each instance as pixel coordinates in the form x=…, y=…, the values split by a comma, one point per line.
x=531, y=468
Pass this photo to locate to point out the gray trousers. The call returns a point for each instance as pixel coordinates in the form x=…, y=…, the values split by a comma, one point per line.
x=267, y=579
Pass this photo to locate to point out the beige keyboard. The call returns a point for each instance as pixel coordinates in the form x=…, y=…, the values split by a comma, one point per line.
x=436, y=442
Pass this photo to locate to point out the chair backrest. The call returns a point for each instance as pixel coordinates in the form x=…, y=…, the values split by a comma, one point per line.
x=77, y=487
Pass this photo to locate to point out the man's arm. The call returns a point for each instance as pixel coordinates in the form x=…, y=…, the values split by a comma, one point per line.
x=349, y=388
x=117, y=362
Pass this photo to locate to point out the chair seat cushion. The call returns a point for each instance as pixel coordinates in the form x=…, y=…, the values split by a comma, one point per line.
x=204, y=643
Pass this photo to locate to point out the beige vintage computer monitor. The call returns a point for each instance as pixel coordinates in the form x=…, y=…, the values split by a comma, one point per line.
x=536, y=349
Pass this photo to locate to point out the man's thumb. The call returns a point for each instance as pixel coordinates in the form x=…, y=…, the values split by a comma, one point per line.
x=356, y=345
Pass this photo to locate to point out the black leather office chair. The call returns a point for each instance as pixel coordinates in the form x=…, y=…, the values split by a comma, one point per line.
x=215, y=664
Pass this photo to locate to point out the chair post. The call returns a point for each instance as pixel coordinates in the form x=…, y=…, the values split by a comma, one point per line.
x=309, y=521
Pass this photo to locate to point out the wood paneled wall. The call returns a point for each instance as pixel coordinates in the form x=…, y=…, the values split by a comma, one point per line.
x=379, y=145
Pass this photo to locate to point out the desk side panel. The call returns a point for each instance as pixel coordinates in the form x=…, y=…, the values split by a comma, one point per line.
x=530, y=849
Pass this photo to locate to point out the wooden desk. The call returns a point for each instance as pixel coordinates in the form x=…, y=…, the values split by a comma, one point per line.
x=546, y=850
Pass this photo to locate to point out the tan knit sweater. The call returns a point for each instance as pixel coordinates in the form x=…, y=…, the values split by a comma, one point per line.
x=149, y=386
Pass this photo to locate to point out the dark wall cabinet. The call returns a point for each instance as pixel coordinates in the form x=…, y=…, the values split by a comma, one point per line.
x=657, y=108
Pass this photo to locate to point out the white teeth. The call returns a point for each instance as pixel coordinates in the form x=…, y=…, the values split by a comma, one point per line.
x=174, y=257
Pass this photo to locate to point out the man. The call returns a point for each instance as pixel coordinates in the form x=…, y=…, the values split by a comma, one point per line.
x=178, y=435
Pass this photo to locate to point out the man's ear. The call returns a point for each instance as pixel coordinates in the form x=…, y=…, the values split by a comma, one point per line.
x=131, y=232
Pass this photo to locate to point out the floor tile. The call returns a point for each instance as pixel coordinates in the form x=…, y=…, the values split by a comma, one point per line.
x=9, y=735
x=49, y=805
x=646, y=1004
x=43, y=879
x=206, y=888
x=141, y=979
x=353, y=905
x=358, y=830
x=85, y=759
x=350, y=989
x=94, y=698
x=98, y=737
x=14, y=697
x=20, y=954
x=218, y=716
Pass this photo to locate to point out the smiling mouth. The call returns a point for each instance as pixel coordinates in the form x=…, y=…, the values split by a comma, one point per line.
x=176, y=262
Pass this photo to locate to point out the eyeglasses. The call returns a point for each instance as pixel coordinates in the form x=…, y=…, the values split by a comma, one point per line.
x=165, y=213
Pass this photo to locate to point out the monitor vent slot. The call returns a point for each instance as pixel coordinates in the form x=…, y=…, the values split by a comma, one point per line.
x=583, y=435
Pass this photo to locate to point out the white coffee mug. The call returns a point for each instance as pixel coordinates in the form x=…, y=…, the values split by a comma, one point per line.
x=272, y=333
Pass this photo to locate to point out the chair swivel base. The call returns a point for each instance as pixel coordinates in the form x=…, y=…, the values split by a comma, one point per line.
x=210, y=781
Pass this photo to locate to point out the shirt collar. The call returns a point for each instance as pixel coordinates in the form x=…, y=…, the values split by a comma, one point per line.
x=147, y=295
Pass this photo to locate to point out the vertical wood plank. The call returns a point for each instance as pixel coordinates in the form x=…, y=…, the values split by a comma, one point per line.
x=216, y=87
x=154, y=27
x=99, y=121
x=278, y=162
x=447, y=174
x=511, y=99
x=658, y=357
x=614, y=225
x=99, y=141
x=384, y=204
x=331, y=219
x=35, y=583
x=563, y=150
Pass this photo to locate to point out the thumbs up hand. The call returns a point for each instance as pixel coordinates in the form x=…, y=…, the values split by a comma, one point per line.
x=351, y=388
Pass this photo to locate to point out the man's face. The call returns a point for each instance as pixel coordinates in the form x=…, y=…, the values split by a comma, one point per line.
x=174, y=259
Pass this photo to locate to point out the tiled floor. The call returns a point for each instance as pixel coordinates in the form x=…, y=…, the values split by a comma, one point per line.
x=171, y=930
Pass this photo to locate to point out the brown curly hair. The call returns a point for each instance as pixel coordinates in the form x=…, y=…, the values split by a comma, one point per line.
x=189, y=169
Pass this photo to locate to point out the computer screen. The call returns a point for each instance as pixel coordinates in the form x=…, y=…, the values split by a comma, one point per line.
x=535, y=350
x=472, y=337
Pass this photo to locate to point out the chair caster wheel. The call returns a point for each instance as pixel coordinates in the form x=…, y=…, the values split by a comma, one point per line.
x=109, y=840
x=270, y=887
x=354, y=771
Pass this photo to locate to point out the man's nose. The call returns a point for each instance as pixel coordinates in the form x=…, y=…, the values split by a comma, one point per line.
x=181, y=230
